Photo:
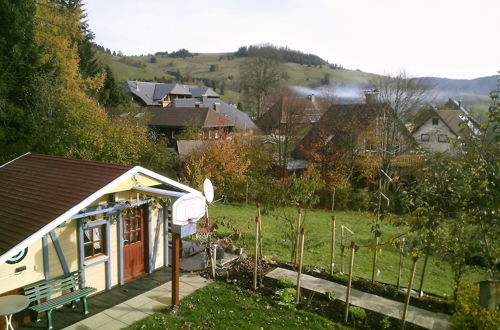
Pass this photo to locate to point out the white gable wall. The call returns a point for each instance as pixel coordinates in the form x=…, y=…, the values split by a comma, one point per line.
x=434, y=131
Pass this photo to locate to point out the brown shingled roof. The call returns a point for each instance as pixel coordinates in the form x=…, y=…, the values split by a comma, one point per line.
x=36, y=189
x=187, y=117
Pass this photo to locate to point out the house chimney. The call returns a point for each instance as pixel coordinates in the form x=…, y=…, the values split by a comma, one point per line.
x=371, y=96
x=136, y=85
x=311, y=97
x=216, y=106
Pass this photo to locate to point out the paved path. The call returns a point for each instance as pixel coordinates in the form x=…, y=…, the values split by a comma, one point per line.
x=140, y=307
x=418, y=316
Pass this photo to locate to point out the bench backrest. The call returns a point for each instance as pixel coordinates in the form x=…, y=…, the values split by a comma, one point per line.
x=45, y=289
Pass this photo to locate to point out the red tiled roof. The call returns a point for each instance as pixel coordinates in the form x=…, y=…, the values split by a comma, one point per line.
x=36, y=189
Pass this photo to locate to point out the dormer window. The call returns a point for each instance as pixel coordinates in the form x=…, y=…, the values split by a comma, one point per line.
x=435, y=121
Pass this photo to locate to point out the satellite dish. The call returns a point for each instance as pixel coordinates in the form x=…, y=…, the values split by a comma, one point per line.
x=208, y=190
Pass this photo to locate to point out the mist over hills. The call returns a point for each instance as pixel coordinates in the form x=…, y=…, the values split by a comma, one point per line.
x=308, y=73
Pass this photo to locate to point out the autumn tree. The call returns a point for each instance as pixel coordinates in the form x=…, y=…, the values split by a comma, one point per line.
x=53, y=104
x=259, y=75
x=460, y=195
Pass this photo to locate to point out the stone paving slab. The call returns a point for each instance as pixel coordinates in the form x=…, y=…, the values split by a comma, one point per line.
x=140, y=307
x=415, y=315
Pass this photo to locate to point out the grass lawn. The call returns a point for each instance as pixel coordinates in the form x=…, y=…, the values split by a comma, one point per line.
x=317, y=244
x=224, y=306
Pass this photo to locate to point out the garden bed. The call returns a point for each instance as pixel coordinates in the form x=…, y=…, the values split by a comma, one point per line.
x=240, y=273
x=429, y=302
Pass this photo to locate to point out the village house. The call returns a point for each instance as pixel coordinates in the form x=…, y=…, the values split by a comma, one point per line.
x=161, y=94
x=241, y=120
x=173, y=121
x=289, y=110
x=361, y=129
x=152, y=94
x=110, y=221
x=438, y=127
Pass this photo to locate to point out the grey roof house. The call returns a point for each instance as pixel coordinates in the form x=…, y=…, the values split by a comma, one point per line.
x=240, y=119
x=161, y=94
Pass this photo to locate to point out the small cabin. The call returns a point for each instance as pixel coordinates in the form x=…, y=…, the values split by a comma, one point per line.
x=58, y=215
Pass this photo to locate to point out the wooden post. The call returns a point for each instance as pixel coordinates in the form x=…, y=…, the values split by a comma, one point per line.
x=176, y=268
x=375, y=254
x=301, y=261
x=297, y=241
x=408, y=294
x=332, y=254
x=333, y=199
x=342, y=250
x=246, y=195
x=348, y=293
x=256, y=259
x=213, y=260
x=421, y=289
x=401, y=261
x=260, y=230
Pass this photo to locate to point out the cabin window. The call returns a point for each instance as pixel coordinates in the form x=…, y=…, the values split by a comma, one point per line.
x=424, y=137
x=435, y=121
x=93, y=241
x=443, y=138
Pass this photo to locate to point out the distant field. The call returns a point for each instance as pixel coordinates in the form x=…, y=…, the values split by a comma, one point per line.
x=227, y=70
x=317, y=245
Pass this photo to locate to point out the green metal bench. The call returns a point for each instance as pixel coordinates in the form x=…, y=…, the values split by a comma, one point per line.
x=69, y=287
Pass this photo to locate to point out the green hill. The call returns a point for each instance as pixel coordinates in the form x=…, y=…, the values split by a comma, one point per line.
x=220, y=71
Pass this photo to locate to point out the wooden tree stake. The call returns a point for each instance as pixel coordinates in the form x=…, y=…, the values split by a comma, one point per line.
x=421, y=289
x=256, y=253
x=342, y=248
x=332, y=254
x=375, y=255
x=301, y=260
x=348, y=293
x=408, y=294
x=297, y=241
x=260, y=230
x=401, y=261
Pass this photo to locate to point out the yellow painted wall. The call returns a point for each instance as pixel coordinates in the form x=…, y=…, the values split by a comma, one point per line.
x=142, y=180
x=33, y=273
x=159, y=255
x=68, y=239
x=95, y=276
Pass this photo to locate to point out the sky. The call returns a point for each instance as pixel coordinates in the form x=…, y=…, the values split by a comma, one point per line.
x=442, y=38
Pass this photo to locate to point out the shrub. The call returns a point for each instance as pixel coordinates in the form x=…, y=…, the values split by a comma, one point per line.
x=286, y=297
x=391, y=290
x=385, y=323
x=330, y=295
x=360, y=200
x=285, y=283
x=340, y=278
x=358, y=315
x=469, y=314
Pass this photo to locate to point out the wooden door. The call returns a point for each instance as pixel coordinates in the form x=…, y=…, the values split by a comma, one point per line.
x=134, y=243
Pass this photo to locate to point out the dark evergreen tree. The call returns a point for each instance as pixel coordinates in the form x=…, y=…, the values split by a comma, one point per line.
x=112, y=94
